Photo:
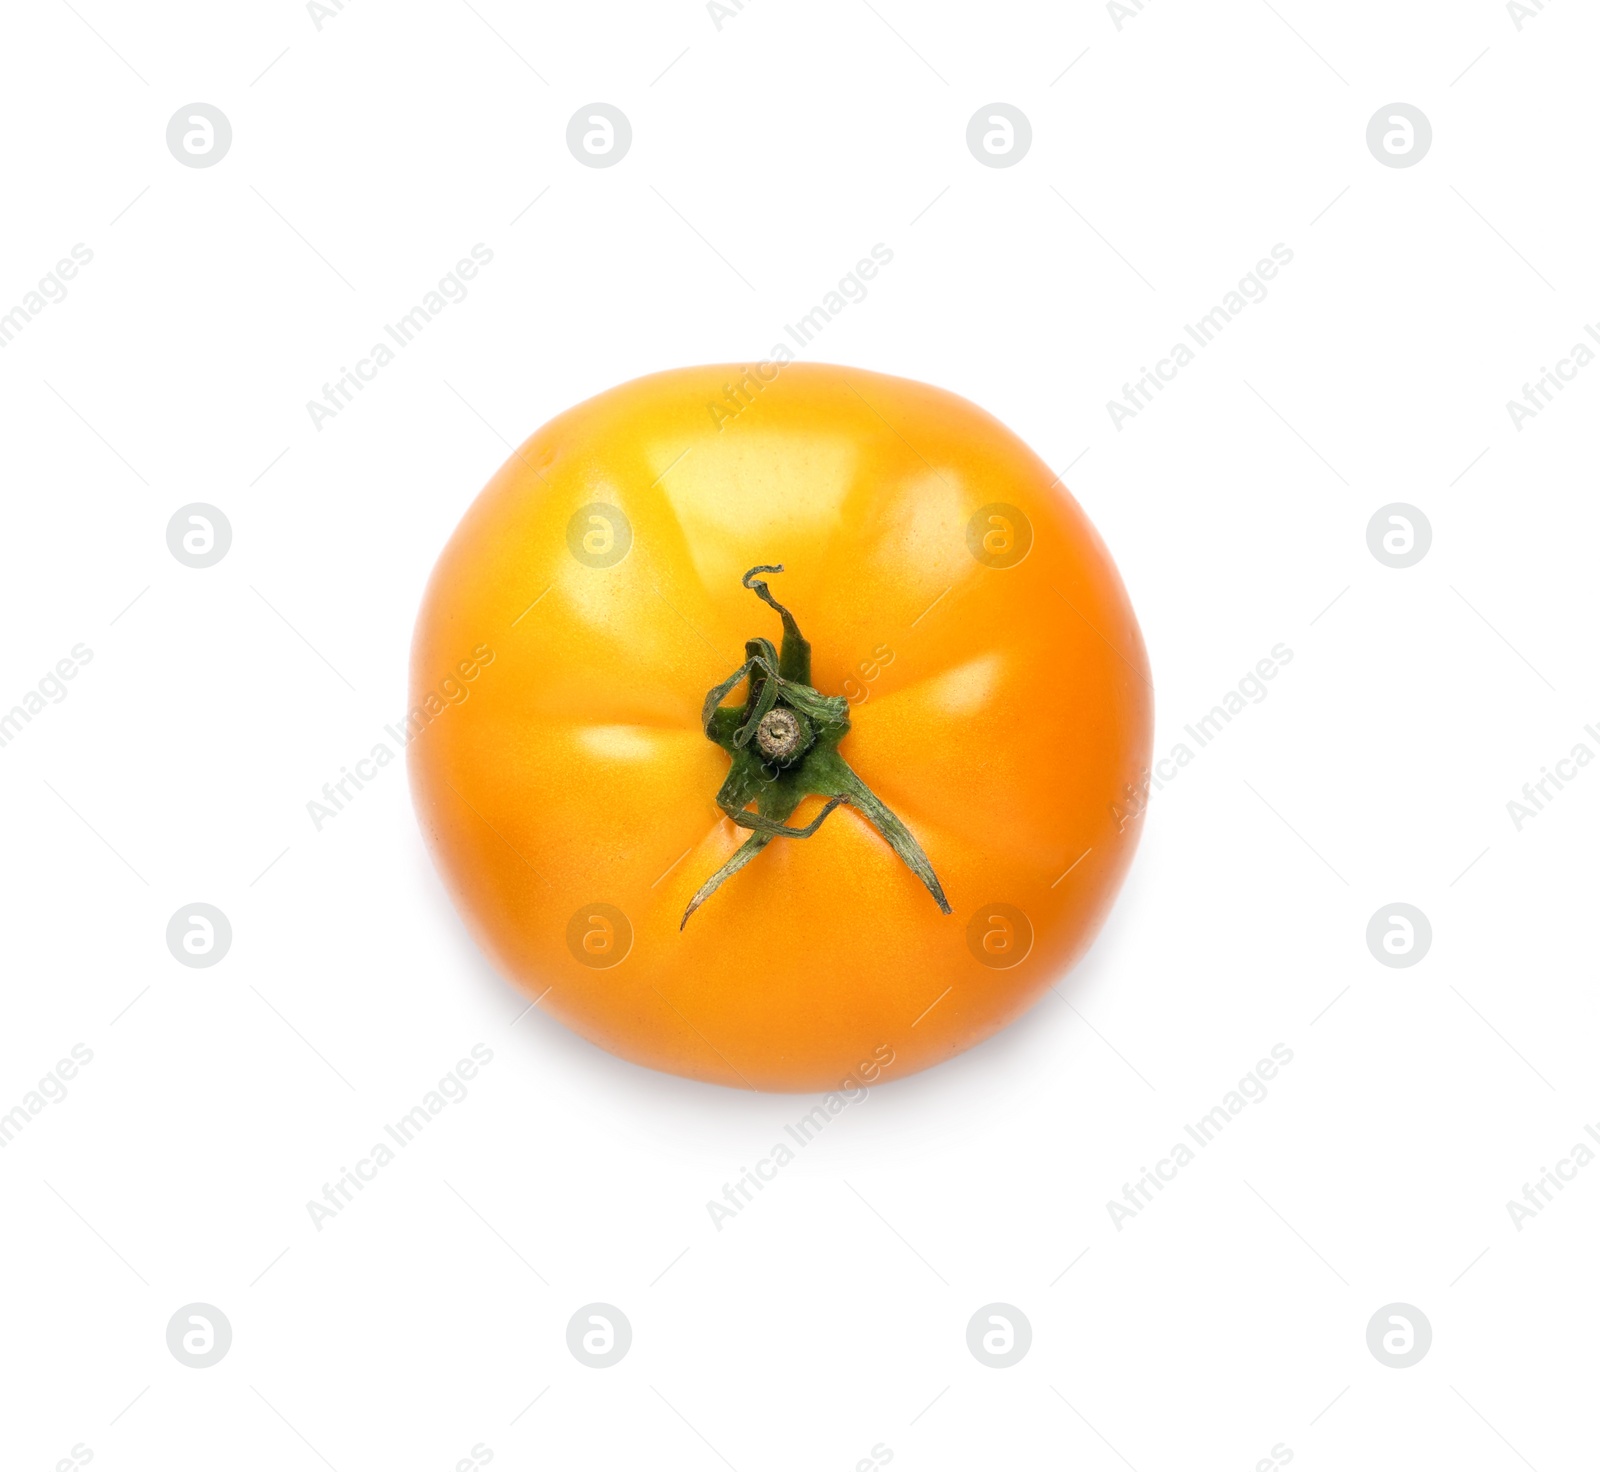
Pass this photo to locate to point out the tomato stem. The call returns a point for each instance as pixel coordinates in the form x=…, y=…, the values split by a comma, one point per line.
x=783, y=741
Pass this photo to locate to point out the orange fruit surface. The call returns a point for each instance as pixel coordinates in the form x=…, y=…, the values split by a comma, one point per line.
x=951, y=590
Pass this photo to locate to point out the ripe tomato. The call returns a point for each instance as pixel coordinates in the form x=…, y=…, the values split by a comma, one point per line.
x=975, y=672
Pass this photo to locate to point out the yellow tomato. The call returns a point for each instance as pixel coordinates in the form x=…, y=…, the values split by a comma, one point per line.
x=972, y=724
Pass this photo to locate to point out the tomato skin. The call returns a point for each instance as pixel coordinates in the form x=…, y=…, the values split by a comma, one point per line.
x=1003, y=712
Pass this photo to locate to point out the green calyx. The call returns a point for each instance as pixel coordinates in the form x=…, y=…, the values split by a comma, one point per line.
x=783, y=742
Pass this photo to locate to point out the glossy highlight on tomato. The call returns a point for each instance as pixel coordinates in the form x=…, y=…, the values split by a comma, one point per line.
x=778, y=829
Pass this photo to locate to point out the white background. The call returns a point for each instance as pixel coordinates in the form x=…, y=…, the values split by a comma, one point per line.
x=1168, y=156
